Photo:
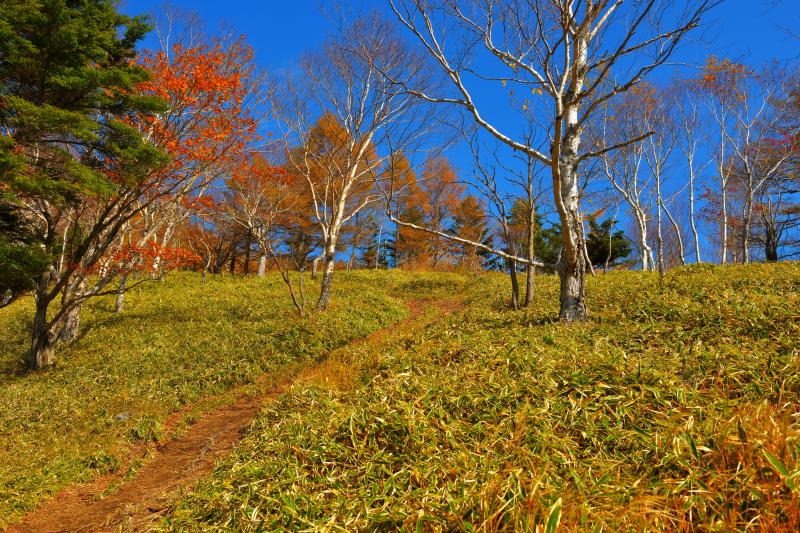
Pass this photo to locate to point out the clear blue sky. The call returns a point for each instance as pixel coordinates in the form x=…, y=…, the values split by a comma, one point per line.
x=749, y=31
x=279, y=30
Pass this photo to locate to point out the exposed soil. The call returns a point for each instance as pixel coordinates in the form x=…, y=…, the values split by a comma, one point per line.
x=178, y=461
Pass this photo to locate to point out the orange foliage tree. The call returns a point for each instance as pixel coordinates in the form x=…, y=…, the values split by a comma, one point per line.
x=213, y=90
x=430, y=202
x=470, y=223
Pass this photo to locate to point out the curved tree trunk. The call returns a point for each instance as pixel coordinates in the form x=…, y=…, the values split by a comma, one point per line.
x=315, y=266
x=676, y=227
x=512, y=270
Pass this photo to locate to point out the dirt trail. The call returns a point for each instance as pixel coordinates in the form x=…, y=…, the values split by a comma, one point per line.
x=178, y=462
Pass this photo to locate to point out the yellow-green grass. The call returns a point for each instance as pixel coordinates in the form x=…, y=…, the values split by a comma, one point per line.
x=179, y=342
x=674, y=408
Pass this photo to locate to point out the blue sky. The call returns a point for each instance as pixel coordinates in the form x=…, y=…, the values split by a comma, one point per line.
x=279, y=30
x=749, y=31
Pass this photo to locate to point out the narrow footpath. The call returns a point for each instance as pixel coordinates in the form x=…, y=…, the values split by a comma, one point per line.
x=179, y=460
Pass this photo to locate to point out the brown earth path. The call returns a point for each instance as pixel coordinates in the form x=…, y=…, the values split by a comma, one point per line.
x=179, y=461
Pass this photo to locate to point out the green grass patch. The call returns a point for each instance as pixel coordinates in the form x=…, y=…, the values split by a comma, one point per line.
x=178, y=342
x=674, y=408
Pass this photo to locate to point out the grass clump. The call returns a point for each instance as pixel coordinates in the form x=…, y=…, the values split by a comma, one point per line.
x=674, y=408
x=178, y=342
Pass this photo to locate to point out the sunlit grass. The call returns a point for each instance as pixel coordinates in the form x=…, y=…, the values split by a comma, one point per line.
x=177, y=343
x=674, y=408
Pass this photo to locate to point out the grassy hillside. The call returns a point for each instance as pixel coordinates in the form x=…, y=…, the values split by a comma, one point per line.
x=177, y=343
x=675, y=407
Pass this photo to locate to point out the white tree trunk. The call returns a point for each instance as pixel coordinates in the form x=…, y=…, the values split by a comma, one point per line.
x=329, y=263
x=262, y=265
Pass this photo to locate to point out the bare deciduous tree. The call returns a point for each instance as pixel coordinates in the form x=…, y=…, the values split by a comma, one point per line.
x=563, y=51
x=359, y=114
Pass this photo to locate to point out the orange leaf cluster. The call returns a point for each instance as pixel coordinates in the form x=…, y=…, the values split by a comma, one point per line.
x=209, y=89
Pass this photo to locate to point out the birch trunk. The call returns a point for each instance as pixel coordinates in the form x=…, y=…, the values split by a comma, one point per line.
x=530, y=272
x=747, y=224
x=123, y=281
x=262, y=265
x=573, y=262
x=692, y=222
x=329, y=263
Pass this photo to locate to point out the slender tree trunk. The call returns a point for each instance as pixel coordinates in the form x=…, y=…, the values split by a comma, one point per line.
x=206, y=266
x=232, y=265
x=681, y=250
x=530, y=271
x=659, y=232
x=512, y=270
x=351, y=261
x=647, y=253
x=747, y=224
x=724, y=187
x=771, y=244
x=378, y=251
x=63, y=247
x=315, y=266
x=123, y=281
x=692, y=222
x=262, y=265
x=724, y=223
x=329, y=263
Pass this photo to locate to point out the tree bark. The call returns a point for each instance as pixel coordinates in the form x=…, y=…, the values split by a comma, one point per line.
x=531, y=252
x=747, y=223
x=573, y=262
x=262, y=265
x=72, y=319
x=123, y=281
x=315, y=266
x=329, y=263
x=659, y=234
x=512, y=270
x=724, y=222
x=351, y=261
x=43, y=339
x=771, y=245
x=72, y=322
x=692, y=222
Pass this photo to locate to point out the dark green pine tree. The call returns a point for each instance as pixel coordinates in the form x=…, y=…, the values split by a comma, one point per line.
x=605, y=245
x=67, y=80
x=22, y=259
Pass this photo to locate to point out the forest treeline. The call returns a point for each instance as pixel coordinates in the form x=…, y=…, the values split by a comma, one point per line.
x=119, y=163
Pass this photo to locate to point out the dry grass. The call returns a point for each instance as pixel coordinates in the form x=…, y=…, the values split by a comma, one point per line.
x=675, y=408
x=180, y=346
